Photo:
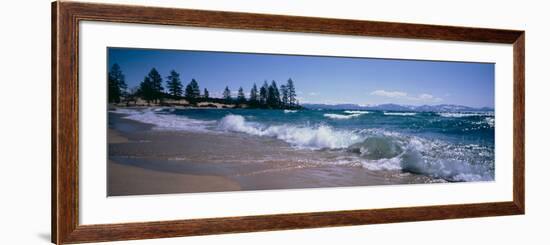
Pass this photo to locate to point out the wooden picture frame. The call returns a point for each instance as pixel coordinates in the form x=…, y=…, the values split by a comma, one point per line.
x=65, y=121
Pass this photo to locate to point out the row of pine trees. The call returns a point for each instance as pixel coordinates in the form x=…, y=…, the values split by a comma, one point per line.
x=151, y=90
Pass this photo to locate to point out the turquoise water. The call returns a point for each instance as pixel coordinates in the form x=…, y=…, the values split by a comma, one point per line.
x=456, y=146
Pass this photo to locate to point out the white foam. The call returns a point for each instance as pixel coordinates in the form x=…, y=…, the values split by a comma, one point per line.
x=357, y=112
x=237, y=123
x=340, y=116
x=430, y=157
x=464, y=114
x=399, y=113
x=468, y=177
x=290, y=111
x=318, y=137
x=383, y=164
x=163, y=121
x=127, y=111
x=490, y=121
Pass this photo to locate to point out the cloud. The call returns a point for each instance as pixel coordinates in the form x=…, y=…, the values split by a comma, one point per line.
x=424, y=97
x=313, y=93
x=429, y=98
x=391, y=94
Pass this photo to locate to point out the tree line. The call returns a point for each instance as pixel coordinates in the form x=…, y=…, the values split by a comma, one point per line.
x=151, y=89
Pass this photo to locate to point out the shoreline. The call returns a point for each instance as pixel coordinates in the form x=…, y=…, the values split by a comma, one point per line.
x=127, y=179
x=145, y=161
x=184, y=104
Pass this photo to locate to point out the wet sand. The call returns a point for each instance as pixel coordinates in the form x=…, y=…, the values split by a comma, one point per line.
x=147, y=161
x=129, y=180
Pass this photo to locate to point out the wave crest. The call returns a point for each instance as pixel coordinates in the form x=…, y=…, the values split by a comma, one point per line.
x=399, y=113
x=383, y=151
x=357, y=112
x=340, y=116
x=319, y=137
x=165, y=121
x=465, y=114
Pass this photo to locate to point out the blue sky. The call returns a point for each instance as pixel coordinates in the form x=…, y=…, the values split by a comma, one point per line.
x=320, y=79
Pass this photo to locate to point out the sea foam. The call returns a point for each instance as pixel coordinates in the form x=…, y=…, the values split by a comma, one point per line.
x=464, y=114
x=399, y=113
x=165, y=121
x=357, y=112
x=319, y=137
x=340, y=116
x=490, y=121
x=393, y=151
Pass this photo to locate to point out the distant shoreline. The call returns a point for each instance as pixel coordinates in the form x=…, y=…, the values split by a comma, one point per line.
x=184, y=104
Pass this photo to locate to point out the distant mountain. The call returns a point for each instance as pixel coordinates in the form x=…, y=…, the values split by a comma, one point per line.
x=390, y=107
x=396, y=107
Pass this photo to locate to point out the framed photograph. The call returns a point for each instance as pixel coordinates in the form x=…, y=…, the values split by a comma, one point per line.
x=176, y=122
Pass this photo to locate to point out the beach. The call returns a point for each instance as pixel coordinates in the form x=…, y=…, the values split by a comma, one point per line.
x=251, y=121
x=145, y=160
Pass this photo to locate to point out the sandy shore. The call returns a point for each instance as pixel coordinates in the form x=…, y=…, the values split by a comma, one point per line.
x=147, y=161
x=129, y=180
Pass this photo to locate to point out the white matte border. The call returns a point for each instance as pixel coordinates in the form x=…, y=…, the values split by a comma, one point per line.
x=96, y=208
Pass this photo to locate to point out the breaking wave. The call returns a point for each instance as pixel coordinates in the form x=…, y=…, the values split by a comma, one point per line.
x=377, y=149
x=465, y=114
x=357, y=112
x=490, y=121
x=374, y=149
x=318, y=137
x=165, y=121
x=399, y=113
x=340, y=116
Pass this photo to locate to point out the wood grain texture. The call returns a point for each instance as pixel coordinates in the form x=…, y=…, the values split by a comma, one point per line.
x=54, y=123
x=519, y=123
x=65, y=124
x=149, y=230
x=234, y=20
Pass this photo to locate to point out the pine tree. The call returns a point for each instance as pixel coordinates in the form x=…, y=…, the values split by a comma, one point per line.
x=253, y=100
x=173, y=84
x=192, y=91
x=117, y=84
x=284, y=96
x=227, y=94
x=254, y=93
x=240, y=96
x=156, y=84
x=273, y=96
x=291, y=93
x=206, y=94
x=263, y=93
x=146, y=90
